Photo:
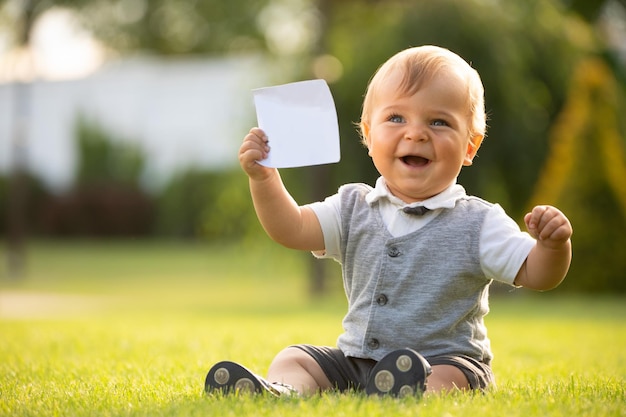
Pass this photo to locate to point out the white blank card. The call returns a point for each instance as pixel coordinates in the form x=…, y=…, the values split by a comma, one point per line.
x=300, y=121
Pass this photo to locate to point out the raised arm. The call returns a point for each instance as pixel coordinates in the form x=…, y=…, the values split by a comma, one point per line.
x=283, y=220
x=548, y=262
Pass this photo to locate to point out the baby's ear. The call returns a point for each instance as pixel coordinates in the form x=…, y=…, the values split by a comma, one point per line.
x=472, y=147
x=365, y=134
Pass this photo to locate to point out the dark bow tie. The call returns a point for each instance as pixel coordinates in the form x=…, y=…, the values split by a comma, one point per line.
x=416, y=211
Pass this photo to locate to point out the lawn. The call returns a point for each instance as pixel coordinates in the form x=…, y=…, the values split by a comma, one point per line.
x=131, y=328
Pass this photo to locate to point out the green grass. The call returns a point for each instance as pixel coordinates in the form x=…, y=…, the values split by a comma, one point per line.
x=130, y=329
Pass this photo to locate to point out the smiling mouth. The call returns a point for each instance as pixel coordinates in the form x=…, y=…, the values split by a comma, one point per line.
x=415, y=161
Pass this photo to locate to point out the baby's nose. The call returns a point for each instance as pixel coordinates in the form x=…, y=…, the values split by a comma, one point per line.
x=417, y=132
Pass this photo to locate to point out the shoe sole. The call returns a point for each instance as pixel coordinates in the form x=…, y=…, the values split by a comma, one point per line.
x=230, y=377
x=401, y=373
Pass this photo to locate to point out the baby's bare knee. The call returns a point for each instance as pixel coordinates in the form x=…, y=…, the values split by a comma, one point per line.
x=292, y=358
x=446, y=378
x=296, y=367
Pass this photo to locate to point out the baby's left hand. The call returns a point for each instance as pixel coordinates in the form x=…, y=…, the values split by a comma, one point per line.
x=548, y=225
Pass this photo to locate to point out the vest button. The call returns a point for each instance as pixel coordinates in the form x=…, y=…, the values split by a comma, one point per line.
x=381, y=300
x=373, y=344
x=393, y=252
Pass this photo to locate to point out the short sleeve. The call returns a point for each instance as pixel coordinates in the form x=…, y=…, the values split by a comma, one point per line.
x=503, y=246
x=328, y=213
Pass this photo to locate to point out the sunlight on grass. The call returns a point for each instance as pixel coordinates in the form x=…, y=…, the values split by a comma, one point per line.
x=131, y=330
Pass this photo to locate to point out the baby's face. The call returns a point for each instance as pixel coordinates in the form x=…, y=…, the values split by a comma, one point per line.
x=420, y=142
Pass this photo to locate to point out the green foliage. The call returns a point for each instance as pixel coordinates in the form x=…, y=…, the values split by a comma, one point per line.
x=525, y=52
x=130, y=329
x=230, y=214
x=208, y=204
x=104, y=158
x=584, y=176
x=524, y=71
x=171, y=27
x=4, y=203
x=35, y=194
x=106, y=198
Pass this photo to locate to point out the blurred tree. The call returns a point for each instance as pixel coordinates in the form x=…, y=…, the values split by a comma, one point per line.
x=174, y=27
x=525, y=52
x=106, y=199
x=525, y=75
x=102, y=158
x=20, y=16
x=165, y=27
x=23, y=17
x=38, y=194
x=206, y=204
x=590, y=10
x=584, y=176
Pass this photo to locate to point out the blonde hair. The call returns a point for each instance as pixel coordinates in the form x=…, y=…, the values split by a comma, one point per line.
x=419, y=65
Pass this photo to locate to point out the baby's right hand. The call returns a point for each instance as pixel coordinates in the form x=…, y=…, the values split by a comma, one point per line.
x=254, y=148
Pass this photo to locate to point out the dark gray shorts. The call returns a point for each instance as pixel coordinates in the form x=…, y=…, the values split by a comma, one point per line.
x=349, y=373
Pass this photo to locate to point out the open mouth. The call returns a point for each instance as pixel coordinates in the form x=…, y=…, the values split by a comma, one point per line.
x=415, y=161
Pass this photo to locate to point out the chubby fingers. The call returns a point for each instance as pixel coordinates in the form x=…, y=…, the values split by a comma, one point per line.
x=257, y=139
x=254, y=148
x=548, y=223
x=257, y=134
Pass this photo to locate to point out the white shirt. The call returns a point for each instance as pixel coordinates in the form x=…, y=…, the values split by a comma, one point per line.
x=503, y=246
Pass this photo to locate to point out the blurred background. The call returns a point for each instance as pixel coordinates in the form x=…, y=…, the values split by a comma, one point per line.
x=121, y=119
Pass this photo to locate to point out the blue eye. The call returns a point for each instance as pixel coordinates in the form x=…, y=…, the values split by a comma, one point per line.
x=396, y=118
x=439, y=122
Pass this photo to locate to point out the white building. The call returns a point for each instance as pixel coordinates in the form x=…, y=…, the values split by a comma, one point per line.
x=182, y=113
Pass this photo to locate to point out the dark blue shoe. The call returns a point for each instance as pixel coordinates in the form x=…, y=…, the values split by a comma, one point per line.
x=230, y=378
x=401, y=373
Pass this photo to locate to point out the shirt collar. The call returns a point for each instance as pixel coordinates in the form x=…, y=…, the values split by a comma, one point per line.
x=445, y=199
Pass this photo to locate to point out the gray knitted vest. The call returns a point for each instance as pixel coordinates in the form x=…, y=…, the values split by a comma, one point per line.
x=424, y=290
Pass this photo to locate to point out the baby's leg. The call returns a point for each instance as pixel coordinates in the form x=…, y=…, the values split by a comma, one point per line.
x=294, y=367
x=446, y=378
